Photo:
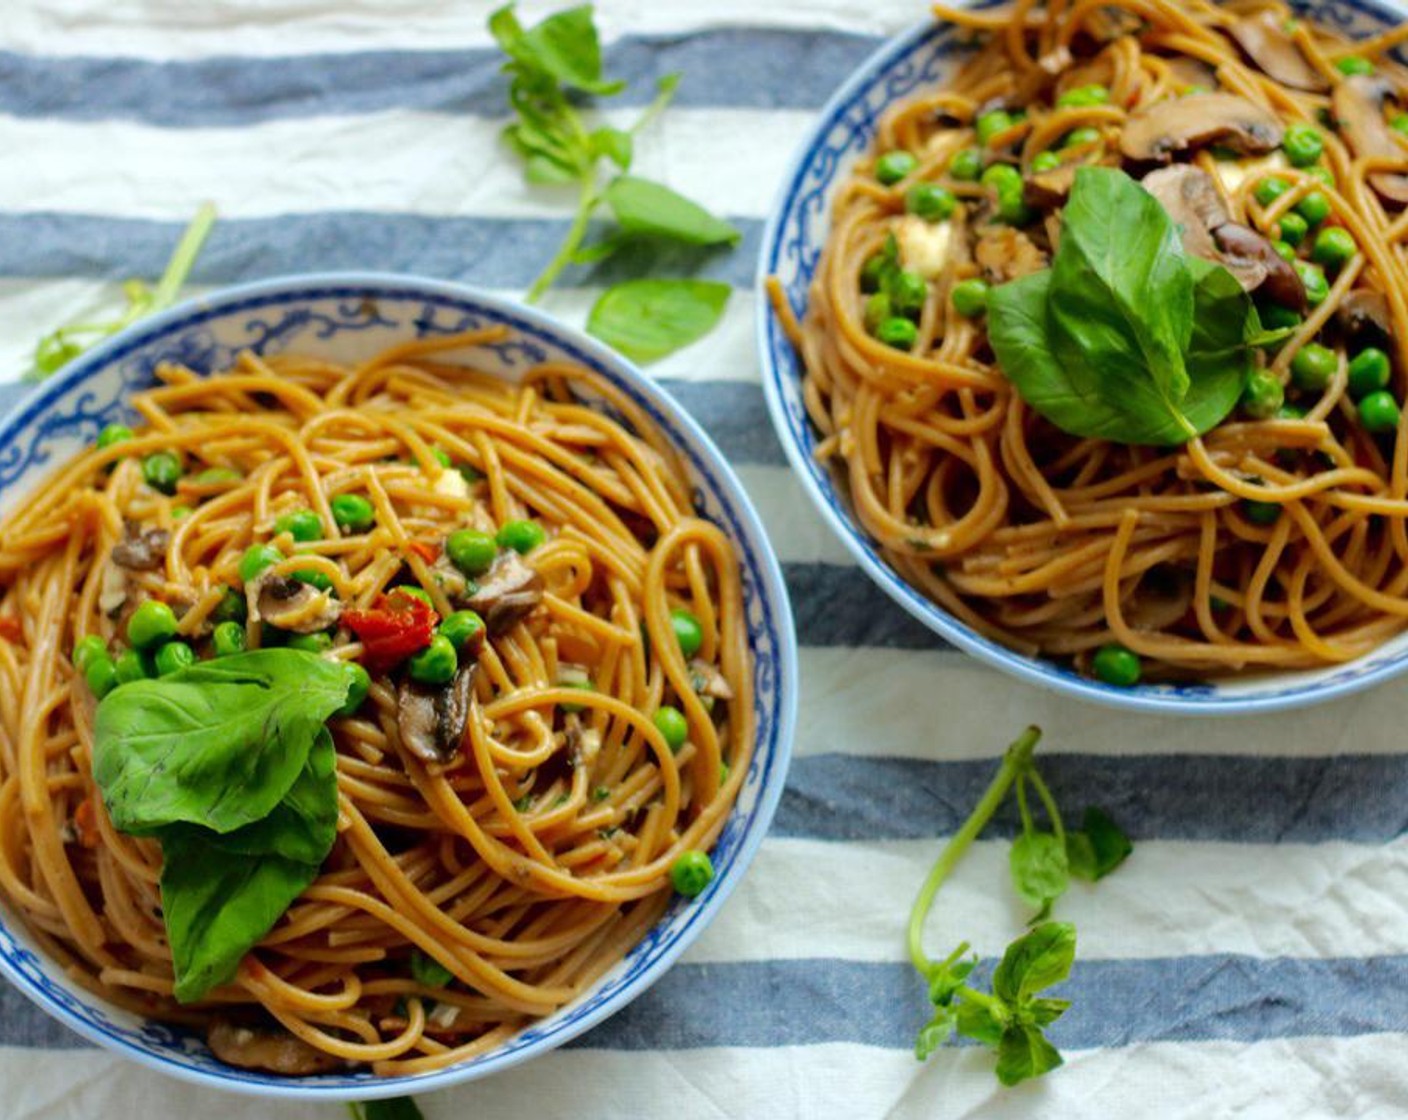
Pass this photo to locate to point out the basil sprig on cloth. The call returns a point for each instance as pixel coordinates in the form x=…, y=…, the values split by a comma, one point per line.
x=230, y=765
x=1126, y=337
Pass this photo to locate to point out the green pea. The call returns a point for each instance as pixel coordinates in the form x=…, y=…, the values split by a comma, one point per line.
x=1323, y=173
x=460, y=627
x=1333, y=247
x=992, y=124
x=521, y=536
x=970, y=297
x=1263, y=395
x=1045, y=161
x=313, y=577
x=878, y=308
x=217, y=476
x=1001, y=177
x=178, y=512
x=471, y=551
x=691, y=873
x=1194, y=90
x=231, y=608
x=113, y=433
x=317, y=642
x=418, y=592
x=100, y=676
x=1314, y=208
x=436, y=663
x=1354, y=64
x=585, y=686
x=1369, y=372
x=1293, y=228
x=1082, y=97
x=1261, y=513
x=90, y=647
x=360, y=684
x=1113, y=664
x=353, y=513
x=442, y=457
x=162, y=470
x=894, y=166
x=1269, y=190
x=1284, y=250
x=1079, y=136
x=172, y=657
x=229, y=638
x=151, y=623
x=688, y=632
x=901, y=334
x=670, y=722
x=872, y=273
x=1006, y=181
x=1290, y=412
x=908, y=293
x=1277, y=317
x=134, y=665
x=930, y=201
x=1303, y=144
x=302, y=525
x=1378, y=412
x=1312, y=277
x=1313, y=367
x=256, y=558
x=966, y=165
x=1400, y=124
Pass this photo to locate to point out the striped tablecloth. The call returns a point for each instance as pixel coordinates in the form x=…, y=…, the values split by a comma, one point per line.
x=1250, y=958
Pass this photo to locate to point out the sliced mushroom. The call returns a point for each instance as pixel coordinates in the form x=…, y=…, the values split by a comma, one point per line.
x=706, y=679
x=141, y=551
x=1264, y=40
x=116, y=587
x=1192, y=200
x=291, y=604
x=1041, y=77
x=1046, y=189
x=432, y=721
x=1006, y=253
x=1364, y=317
x=1190, y=71
x=1253, y=260
x=508, y=592
x=1178, y=124
x=583, y=743
x=1359, y=107
x=272, y=1049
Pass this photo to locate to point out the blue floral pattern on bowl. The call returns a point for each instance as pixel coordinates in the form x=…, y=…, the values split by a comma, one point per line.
x=791, y=248
x=350, y=318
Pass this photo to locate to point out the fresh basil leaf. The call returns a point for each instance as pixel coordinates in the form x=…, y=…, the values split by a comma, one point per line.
x=1109, y=846
x=1024, y=1053
x=979, y=1022
x=1043, y=1012
x=598, y=251
x=614, y=144
x=1039, y=958
x=426, y=970
x=1039, y=871
x=1121, y=292
x=395, y=1108
x=1080, y=856
x=945, y=980
x=647, y=209
x=565, y=45
x=935, y=1032
x=218, y=904
x=1219, y=357
x=647, y=319
x=218, y=744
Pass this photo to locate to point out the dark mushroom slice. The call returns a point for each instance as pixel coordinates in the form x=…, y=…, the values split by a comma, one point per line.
x=1263, y=39
x=1006, y=254
x=1364, y=318
x=509, y=591
x=1189, y=71
x=1178, y=124
x=706, y=679
x=1047, y=189
x=1359, y=108
x=141, y=551
x=271, y=1049
x=291, y=604
x=432, y=720
x=1253, y=260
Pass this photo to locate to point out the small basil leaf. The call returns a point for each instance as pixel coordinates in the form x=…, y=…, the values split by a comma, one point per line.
x=1080, y=856
x=647, y=209
x=1109, y=845
x=1024, y=1053
x=934, y=1033
x=945, y=980
x=978, y=1022
x=614, y=144
x=1038, y=865
x=1043, y=1012
x=1039, y=958
x=396, y=1108
x=565, y=46
x=647, y=319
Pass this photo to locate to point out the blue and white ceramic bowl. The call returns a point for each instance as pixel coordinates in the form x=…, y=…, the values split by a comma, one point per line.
x=792, y=244
x=349, y=318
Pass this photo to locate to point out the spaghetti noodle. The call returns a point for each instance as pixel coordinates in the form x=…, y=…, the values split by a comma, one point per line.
x=538, y=850
x=1271, y=542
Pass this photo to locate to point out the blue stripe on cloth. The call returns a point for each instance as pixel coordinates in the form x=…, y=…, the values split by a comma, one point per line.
x=1114, y=1003
x=1255, y=799
x=749, y=68
x=488, y=252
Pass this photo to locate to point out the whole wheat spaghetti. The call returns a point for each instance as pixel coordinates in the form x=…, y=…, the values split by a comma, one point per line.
x=1271, y=542
x=527, y=859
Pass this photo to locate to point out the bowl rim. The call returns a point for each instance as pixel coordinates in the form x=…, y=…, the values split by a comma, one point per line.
x=1041, y=672
x=772, y=594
